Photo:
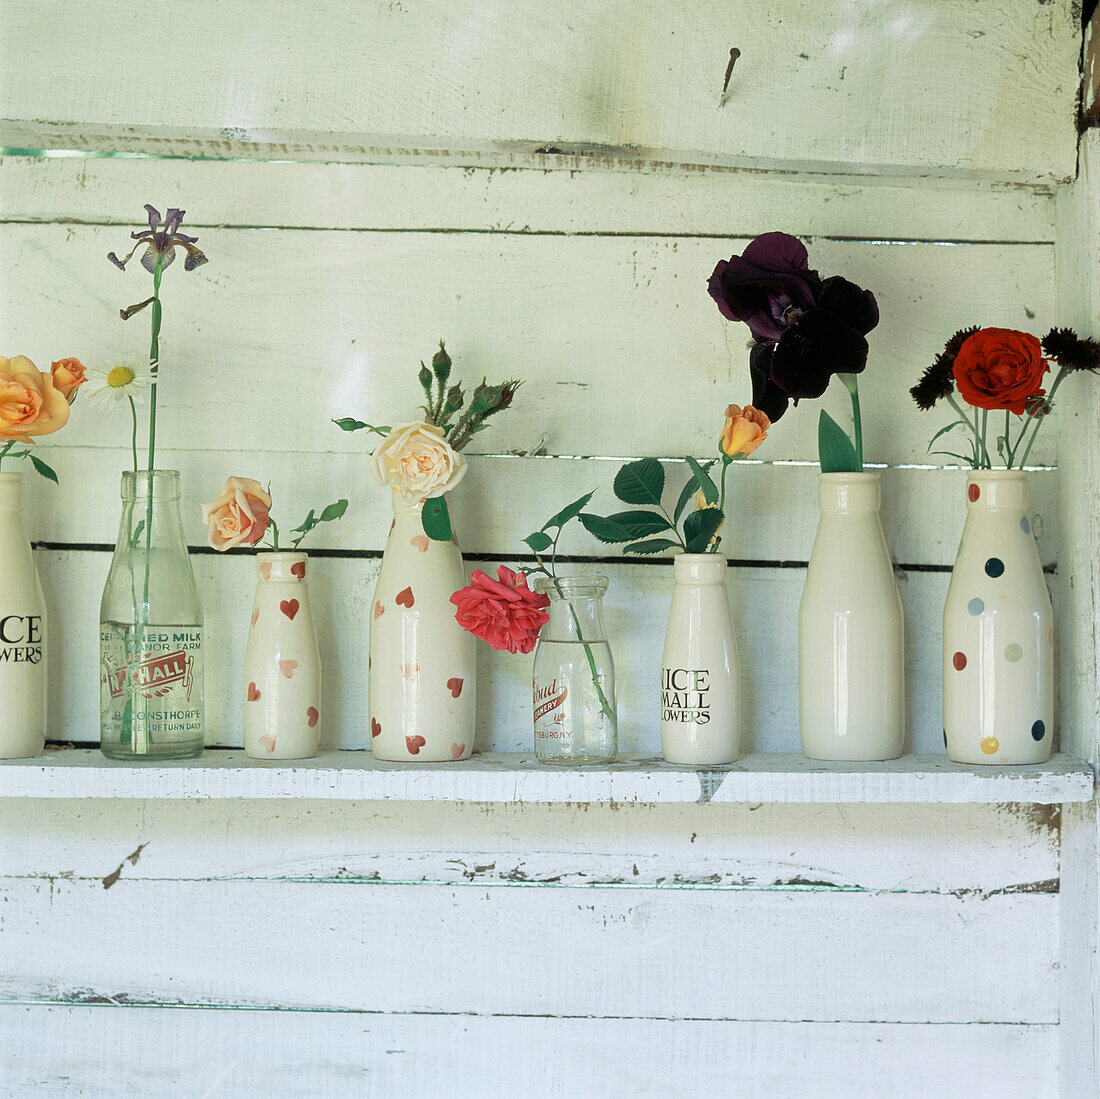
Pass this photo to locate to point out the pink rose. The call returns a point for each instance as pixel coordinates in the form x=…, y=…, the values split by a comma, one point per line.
x=239, y=516
x=68, y=376
x=503, y=612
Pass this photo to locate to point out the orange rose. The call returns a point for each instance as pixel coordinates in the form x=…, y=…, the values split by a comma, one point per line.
x=1000, y=368
x=746, y=428
x=239, y=516
x=30, y=402
x=68, y=376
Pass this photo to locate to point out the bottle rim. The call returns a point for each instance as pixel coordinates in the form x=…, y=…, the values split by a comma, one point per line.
x=162, y=484
x=570, y=587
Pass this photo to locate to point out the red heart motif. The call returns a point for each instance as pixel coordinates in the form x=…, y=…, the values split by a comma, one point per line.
x=420, y=542
x=311, y=716
x=289, y=607
x=299, y=569
x=253, y=694
x=265, y=569
x=375, y=728
x=414, y=744
x=458, y=751
x=255, y=614
x=455, y=687
x=287, y=667
x=268, y=744
x=404, y=598
x=379, y=610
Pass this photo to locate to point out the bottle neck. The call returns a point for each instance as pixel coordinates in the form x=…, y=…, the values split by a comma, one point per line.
x=576, y=607
x=151, y=511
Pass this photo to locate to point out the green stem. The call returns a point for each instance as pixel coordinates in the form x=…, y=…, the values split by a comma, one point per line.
x=133, y=433
x=154, y=359
x=985, y=435
x=275, y=536
x=857, y=421
x=6, y=448
x=1039, y=419
x=962, y=416
x=605, y=706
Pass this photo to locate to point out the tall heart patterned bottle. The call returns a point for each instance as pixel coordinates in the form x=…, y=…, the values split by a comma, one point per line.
x=282, y=664
x=422, y=663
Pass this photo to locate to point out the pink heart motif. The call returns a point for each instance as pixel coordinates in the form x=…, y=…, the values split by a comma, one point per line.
x=458, y=751
x=255, y=614
x=404, y=598
x=265, y=569
x=379, y=610
x=268, y=744
x=420, y=542
x=299, y=569
x=289, y=607
x=287, y=667
x=375, y=728
x=414, y=744
x=253, y=693
x=311, y=716
x=455, y=687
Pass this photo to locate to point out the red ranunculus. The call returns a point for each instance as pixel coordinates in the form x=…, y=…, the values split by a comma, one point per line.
x=1000, y=368
x=504, y=612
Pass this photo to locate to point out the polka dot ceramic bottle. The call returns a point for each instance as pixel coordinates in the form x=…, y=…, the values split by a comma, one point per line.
x=998, y=631
x=422, y=663
x=282, y=665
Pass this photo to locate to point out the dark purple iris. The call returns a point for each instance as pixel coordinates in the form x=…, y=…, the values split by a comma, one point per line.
x=806, y=329
x=162, y=242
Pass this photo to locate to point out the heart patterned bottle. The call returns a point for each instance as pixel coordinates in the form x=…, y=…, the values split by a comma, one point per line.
x=282, y=665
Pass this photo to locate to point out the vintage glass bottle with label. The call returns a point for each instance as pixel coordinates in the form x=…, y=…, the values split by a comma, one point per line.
x=150, y=630
x=573, y=680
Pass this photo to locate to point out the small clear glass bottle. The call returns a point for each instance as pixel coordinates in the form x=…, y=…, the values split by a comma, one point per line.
x=150, y=630
x=573, y=679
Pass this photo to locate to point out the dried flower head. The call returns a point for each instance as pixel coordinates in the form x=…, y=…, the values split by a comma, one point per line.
x=1071, y=352
x=938, y=380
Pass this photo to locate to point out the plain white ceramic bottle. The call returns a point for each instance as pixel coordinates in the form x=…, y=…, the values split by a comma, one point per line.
x=998, y=631
x=282, y=663
x=22, y=632
x=422, y=662
x=851, y=646
x=700, y=674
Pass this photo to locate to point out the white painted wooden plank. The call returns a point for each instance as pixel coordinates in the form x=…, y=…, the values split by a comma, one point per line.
x=764, y=603
x=923, y=509
x=986, y=87
x=492, y=776
x=717, y=203
x=960, y=849
x=667, y=954
x=598, y=326
x=89, y=1051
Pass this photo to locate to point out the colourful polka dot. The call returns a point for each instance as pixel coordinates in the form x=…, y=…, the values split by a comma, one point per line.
x=990, y=744
x=1013, y=652
x=976, y=606
x=1038, y=731
x=973, y=492
x=958, y=661
x=994, y=567
x=1025, y=526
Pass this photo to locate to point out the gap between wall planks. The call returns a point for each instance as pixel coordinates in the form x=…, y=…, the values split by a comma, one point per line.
x=983, y=88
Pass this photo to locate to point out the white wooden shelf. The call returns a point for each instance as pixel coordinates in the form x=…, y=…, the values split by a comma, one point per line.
x=499, y=777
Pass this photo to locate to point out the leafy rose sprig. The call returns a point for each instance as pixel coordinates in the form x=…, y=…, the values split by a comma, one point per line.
x=32, y=403
x=241, y=516
x=995, y=369
x=419, y=459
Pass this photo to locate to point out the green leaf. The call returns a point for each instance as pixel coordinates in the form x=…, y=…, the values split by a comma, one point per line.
x=43, y=469
x=641, y=482
x=568, y=512
x=686, y=494
x=640, y=523
x=137, y=534
x=651, y=545
x=967, y=458
x=437, y=520
x=348, y=424
x=308, y=523
x=702, y=479
x=539, y=541
x=838, y=455
x=945, y=430
x=333, y=511
x=605, y=530
x=700, y=527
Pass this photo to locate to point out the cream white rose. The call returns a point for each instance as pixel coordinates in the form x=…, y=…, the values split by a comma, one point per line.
x=417, y=462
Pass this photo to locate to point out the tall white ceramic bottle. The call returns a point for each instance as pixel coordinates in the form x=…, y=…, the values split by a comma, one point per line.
x=282, y=664
x=998, y=631
x=422, y=662
x=700, y=674
x=851, y=648
x=22, y=632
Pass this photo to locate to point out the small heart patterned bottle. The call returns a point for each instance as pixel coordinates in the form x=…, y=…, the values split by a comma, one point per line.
x=282, y=665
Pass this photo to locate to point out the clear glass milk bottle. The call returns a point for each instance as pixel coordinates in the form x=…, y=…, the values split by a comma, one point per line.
x=150, y=630
x=573, y=679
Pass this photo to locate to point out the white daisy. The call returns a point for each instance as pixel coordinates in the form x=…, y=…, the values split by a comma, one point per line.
x=126, y=378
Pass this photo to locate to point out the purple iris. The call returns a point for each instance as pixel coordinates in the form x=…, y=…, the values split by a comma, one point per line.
x=806, y=329
x=162, y=242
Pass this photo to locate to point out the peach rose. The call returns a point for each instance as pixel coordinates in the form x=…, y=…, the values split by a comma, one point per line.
x=239, y=516
x=68, y=376
x=746, y=428
x=417, y=462
x=30, y=402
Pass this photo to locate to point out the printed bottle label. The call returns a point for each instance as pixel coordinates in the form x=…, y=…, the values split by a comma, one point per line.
x=21, y=639
x=549, y=710
x=685, y=695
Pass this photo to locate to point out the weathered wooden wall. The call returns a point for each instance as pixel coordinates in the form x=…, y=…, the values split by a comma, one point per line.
x=310, y=948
